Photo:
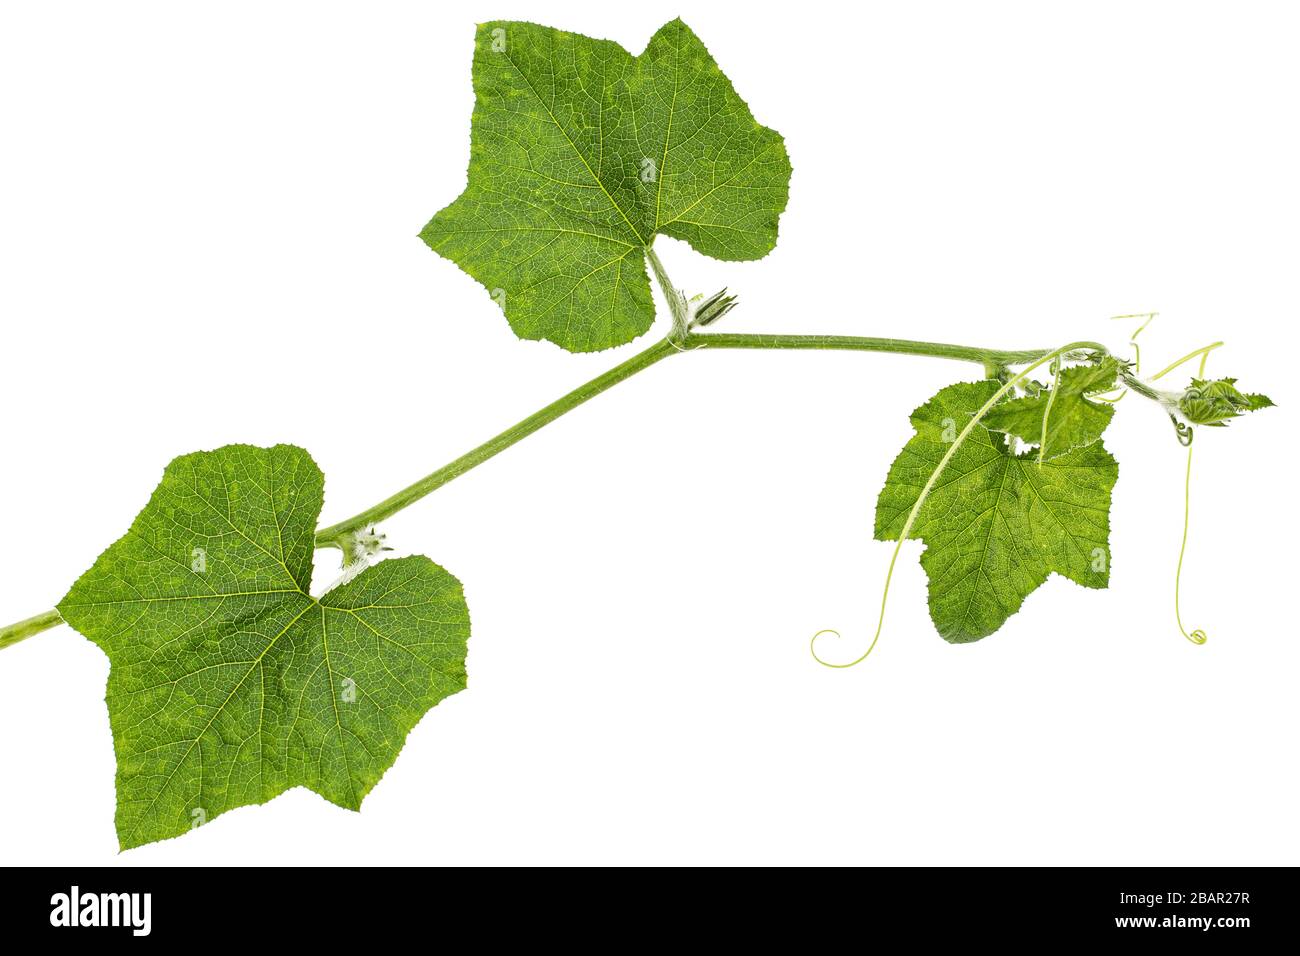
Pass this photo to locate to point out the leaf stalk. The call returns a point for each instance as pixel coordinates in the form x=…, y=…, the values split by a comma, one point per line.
x=14, y=633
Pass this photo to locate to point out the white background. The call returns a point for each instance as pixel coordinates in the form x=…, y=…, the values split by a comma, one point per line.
x=208, y=218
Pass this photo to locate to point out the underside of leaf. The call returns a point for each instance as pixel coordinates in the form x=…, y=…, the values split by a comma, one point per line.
x=580, y=155
x=996, y=525
x=229, y=682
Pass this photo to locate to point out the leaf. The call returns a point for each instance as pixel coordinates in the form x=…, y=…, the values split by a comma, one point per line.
x=229, y=682
x=580, y=154
x=1215, y=402
x=996, y=525
x=1072, y=420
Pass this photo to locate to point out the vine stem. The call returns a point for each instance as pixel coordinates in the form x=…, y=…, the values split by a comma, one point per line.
x=993, y=358
x=14, y=633
x=338, y=535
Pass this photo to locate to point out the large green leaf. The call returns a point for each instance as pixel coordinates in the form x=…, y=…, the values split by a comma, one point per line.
x=229, y=682
x=996, y=525
x=581, y=154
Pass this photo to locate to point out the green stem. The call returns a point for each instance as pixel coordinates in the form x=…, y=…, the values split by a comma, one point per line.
x=337, y=535
x=856, y=343
x=677, y=305
x=25, y=629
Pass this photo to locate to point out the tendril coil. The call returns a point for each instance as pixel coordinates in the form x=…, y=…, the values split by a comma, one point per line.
x=1196, y=636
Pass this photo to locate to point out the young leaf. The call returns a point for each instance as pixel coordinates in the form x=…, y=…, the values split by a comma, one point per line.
x=1215, y=402
x=996, y=525
x=1072, y=420
x=580, y=154
x=230, y=683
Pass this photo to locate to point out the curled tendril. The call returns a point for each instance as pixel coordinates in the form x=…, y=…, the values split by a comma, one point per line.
x=1184, y=431
x=1197, y=636
x=812, y=649
x=1147, y=318
x=884, y=599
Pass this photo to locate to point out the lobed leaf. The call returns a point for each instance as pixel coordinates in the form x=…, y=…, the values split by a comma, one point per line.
x=996, y=525
x=230, y=683
x=580, y=155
